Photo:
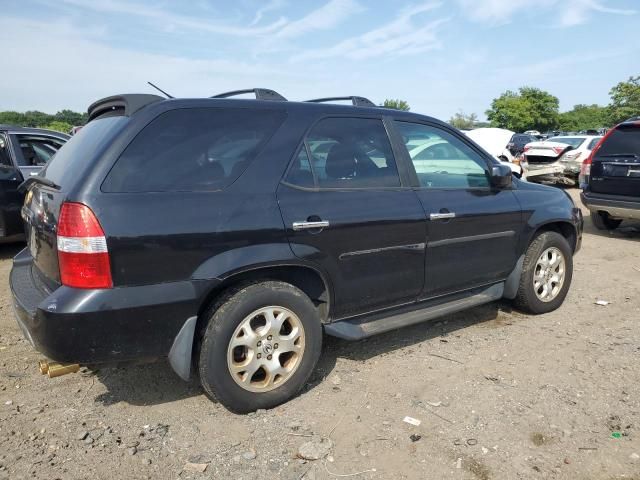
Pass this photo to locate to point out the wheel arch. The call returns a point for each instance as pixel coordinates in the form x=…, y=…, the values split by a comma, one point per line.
x=563, y=227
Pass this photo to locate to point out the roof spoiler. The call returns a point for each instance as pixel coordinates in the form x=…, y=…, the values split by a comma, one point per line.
x=356, y=101
x=126, y=104
x=260, y=93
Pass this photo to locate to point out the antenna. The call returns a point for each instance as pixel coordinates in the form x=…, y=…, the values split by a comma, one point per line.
x=160, y=90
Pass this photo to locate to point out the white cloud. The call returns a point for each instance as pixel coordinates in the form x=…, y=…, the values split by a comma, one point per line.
x=326, y=17
x=169, y=21
x=89, y=70
x=402, y=36
x=569, y=12
x=269, y=7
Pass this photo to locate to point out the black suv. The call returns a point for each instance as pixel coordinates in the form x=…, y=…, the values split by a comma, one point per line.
x=228, y=234
x=610, y=177
x=23, y=153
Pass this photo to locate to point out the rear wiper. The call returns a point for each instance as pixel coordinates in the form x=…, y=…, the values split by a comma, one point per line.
x=37, y=179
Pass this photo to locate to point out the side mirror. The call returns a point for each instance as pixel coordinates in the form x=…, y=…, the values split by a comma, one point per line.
x=501, y=176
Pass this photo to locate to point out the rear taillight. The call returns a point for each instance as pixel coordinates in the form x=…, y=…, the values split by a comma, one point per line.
x=526, y=148
x=82, y=248
x=585, y=169
x=559, y=150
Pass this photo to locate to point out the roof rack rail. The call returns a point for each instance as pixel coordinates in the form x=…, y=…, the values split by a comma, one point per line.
x=261, y=94
x=355, y=100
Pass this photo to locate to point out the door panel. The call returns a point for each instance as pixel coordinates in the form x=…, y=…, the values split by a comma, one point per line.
x=478, y=246
x=372, y=250
x=353, y=217
x=473, y=228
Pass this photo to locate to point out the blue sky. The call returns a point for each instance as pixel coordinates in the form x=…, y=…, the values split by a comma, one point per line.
x=440, y=56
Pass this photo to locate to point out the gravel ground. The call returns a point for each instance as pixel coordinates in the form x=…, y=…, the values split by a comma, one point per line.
x=498, y=395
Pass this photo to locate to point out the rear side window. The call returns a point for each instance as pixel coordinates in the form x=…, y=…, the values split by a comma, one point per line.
x=593, y=143
x=624, y=140
x=194, y=149
x=76, y=156
x=5, y=159
x=350, y=153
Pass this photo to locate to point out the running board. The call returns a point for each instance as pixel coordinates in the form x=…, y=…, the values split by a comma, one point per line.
x=356, y=329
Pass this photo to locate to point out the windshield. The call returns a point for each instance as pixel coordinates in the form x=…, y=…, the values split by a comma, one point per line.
x=72, y=159
x=573, y=141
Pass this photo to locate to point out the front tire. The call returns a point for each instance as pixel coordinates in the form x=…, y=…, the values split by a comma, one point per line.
x=260, y=345
x=546, y=274
x=602, y=221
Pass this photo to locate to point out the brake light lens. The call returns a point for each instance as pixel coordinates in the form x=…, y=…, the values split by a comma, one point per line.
x=82, y=248
x=526, y=148
x=559, y=150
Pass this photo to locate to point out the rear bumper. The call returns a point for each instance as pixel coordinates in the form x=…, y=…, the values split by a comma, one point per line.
x=615, y=206
x=100, y=326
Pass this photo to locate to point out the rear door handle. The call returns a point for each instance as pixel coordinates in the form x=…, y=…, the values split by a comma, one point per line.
x=297, y=226
x=441, y=216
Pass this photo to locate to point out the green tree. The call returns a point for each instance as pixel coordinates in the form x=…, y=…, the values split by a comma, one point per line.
x=58, y=126
x=527, y=109
x=463, y=121
x=584, y=117
x=71, y=117
x=625, y=100
x=396, y=104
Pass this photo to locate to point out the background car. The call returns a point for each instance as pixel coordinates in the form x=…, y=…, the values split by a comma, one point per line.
x=23, y=153
x=494, y=141
x=518, y=141
x=610, y=177
x=559, y=159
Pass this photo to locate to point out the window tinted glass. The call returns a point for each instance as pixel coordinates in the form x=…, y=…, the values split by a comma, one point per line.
x=352, y=153
x=593, y=143
x=441, y=160
x=193, y=149
x=623, y=140
x=75, y=156
x=300, y=173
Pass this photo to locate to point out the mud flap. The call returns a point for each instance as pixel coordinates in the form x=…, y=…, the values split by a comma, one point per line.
x=180, y=353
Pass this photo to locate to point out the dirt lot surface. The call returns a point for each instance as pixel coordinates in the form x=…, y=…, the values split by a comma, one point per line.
x=499, y=395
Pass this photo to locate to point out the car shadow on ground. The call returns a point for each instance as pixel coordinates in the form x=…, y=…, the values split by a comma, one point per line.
x=628, y=230
x=156, y=383
x=10, y=249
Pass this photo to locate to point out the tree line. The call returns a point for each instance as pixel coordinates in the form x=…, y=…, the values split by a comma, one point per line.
x=61, y=121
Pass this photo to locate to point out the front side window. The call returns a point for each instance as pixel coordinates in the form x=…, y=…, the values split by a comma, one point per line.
x=351, y=153
x=193, y=149
x=442, y=160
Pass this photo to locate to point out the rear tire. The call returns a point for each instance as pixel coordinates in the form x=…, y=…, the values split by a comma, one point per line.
x=546, y=274
x=602, y=221
x=259, y=347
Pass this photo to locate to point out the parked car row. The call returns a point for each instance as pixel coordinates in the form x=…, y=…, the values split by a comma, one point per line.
x=227, y=235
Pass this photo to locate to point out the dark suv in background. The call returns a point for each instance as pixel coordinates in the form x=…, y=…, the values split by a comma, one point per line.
x=23, y=153
x=610, y=177
x=228, y=234
x=517, y=143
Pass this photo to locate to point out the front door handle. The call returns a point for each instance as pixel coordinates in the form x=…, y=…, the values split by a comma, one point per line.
x=297, y=226
x=441, y=216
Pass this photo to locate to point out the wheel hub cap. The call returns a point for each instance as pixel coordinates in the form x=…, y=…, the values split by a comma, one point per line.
x=266, y=349
x=549, y=274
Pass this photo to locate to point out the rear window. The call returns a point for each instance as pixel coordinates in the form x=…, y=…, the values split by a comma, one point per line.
x=574, y=142
x=74, y=156
x=196, y=149
x=623, y=140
